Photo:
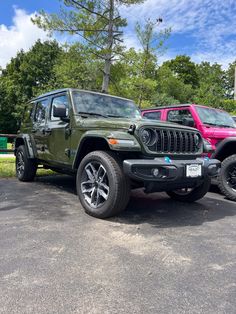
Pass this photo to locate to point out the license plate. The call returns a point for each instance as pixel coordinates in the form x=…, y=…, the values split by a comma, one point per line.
x=193, y=171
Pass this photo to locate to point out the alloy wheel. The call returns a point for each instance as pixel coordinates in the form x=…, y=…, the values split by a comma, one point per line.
x=20, y=164
x=95, y=184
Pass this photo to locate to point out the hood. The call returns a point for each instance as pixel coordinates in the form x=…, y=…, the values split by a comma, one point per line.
x=124, y=124
x=219, y=133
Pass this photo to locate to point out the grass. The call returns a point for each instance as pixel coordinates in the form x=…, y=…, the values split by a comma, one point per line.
x=7, y=168
x=9, y=146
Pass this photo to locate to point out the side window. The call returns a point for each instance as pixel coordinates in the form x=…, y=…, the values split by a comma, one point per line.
x=41, y=111
x=59, y=100
x=29, y=113
x=156, y=115
x=32, y=111
x=177, y=116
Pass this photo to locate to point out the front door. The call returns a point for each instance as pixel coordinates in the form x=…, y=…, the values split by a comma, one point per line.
x=58, y=134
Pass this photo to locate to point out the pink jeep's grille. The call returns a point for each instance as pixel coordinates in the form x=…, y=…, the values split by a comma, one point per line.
x=175, y=141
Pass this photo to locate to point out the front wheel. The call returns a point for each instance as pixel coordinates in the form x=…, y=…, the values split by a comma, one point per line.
x=25, y=168
x=227, y=178
x=190, y=195
x=102, y=187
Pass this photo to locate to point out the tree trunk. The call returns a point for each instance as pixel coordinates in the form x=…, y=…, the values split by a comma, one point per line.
x=108, y=55
x=140, y=98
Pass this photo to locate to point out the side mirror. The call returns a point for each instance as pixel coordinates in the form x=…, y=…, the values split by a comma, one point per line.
x=188, y=122
x=60, y=111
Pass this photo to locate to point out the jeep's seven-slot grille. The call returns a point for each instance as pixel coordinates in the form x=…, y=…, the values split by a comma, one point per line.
x=174, y=141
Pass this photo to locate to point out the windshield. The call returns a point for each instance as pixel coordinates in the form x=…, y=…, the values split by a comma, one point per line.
x=215, y=117
x=103, y=105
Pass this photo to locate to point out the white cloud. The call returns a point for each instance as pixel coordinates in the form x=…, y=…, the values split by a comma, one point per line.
x=209, y=24
x=22, y=34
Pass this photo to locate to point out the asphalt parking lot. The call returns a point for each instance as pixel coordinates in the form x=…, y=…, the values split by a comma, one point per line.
x=158, y=256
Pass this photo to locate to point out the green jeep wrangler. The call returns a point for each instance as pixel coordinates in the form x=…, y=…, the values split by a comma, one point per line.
x=109, y=146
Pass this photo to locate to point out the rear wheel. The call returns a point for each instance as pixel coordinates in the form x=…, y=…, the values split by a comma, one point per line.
x=25, y=168
x=227, y=178
x=102, y=187
x=190, y=195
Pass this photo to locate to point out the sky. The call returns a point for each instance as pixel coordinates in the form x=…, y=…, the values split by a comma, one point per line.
x=203, y=29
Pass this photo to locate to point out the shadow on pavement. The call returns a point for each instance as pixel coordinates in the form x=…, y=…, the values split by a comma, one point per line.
x=162, y=212
x=44, y=200
x=158, y=209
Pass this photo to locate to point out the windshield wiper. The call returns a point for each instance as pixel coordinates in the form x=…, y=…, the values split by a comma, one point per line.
x=225, y=126
x=209, y=123
x=115, y=116
x=92, y=114
x=219, y=125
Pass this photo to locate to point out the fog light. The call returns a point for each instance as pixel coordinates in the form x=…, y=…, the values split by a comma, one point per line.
x=155, y=172
x=213, y=170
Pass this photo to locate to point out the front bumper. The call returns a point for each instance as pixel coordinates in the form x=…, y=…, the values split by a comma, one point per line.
x=170, y=174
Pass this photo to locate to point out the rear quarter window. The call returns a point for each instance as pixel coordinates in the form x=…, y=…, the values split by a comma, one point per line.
x=155, y=115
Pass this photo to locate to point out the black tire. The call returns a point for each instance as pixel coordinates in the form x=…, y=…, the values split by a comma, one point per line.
x=227, y=177
x=193, y=195
x=111, y=176
x=25, y=168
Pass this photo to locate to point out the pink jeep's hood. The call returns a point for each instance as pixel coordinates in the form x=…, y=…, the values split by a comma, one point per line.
x=218, y=133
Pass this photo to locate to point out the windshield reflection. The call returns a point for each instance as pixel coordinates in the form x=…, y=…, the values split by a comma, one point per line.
x=104, y=105
x=215, y=117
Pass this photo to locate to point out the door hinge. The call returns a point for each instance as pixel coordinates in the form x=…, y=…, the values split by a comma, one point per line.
x=68, y=131
x=67, y=152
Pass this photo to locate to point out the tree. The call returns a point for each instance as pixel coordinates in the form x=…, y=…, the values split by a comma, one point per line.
x=127, y=78
x=97, y=22
x=76, y=67
x=230, y=77
x=211, y=89
x=27, y=75
x=151, y=41
x=170, y=85
x=185, y=69
x=7, y=120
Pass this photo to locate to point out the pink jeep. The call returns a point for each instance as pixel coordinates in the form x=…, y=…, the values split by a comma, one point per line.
x=219, y=131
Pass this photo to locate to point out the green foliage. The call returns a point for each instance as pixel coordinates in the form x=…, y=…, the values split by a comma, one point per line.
x=229, y=80
x=27, y=75
x=184, y=69
x=100, y=54
x=76, y=67
x=163, y=100
x=128, y=79
x=229, y=105
x=211, y=84
x=169, y=84
x=99, y=23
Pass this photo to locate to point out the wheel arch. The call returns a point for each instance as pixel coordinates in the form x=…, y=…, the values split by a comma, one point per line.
x=225, y=149
x=24, y=139
x=87, y=145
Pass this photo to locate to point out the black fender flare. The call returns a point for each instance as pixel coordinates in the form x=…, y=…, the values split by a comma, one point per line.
x=222, y=148
x=80, y=147
x=26, y=140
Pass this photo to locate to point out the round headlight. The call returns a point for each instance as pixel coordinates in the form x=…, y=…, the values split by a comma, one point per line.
x=148, y=137
x=197, y=140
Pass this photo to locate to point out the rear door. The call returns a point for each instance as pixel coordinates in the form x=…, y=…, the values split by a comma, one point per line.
x=38, y=129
